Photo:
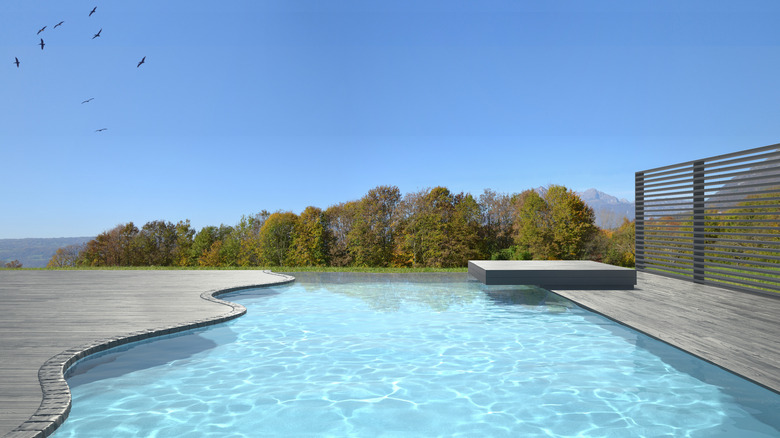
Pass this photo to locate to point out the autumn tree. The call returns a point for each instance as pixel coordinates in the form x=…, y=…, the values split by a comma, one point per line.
x=156, y=244
x=247, y=232
x=465, y=232
x=311, y=240
x=115, y=247
x=231, y=246
x=556, y=226
x=13, y=264
x=202, y=243
x=532, y=226
x=371, y=237
x=276, y=238
x=621, y=250
x=438, y=229
x=217, y=246
x=498, y=218
x=211, y=257
x=184, y=237
x=340, y=219
x=65, y=257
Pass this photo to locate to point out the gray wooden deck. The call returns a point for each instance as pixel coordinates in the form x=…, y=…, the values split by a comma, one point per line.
x=737, y=331
x=43, y=313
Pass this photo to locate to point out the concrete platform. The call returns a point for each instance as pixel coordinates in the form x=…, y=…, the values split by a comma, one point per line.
x=553, y=274
x=48, y=319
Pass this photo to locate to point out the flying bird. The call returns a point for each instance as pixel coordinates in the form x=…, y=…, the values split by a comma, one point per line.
x=58, y=24
x=92, y=11
x=16, y=62
x=97, y=34
x=100, y=130
x=141, y=62
x=41, y=44
x=88, y=100
x=42, y=29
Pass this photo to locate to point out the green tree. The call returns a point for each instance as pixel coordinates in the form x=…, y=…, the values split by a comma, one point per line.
x=184, y=237
x=556, y=226
x=438, y=229
x=532, y=226
x=415, y=222
x=156, y=244
x=65, y=257
x=498, y=218
x=465, y=233
x=573, y=223
x=218, y=246
x=622, y=244
x=211, y=257
x=248, y=234
x=231, y=246
x=339, y=220
x=276, y=238
x=371, y=237
x=115, y=247
x=311, y=241
x=202, y=243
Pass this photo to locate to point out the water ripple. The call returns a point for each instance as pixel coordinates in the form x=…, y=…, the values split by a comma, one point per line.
x=397, y=359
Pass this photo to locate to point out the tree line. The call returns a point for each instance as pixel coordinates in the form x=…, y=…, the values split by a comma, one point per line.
x=430, y=228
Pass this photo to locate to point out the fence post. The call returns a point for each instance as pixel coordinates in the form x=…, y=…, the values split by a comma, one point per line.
x=698, y=222
x=639, y=221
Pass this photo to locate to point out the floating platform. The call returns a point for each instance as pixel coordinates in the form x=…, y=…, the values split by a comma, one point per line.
x=553, y=274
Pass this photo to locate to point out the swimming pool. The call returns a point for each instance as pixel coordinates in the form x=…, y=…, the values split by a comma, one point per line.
x=410, y=355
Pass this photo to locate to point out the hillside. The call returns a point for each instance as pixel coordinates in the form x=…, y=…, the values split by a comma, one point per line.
x=609, y=210
x=34, y=252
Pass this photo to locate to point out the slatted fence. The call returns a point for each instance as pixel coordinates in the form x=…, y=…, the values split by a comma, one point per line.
x=713, y=221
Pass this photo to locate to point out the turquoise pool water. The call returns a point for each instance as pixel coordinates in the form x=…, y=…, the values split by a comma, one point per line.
x=410, y=356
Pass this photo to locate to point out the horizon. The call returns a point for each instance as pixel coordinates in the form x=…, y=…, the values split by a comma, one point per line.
x=278, y=106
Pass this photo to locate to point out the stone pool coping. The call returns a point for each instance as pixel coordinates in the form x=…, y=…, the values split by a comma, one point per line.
x=56, y=403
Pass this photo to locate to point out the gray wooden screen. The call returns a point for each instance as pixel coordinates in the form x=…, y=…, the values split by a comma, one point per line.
x=713, y=221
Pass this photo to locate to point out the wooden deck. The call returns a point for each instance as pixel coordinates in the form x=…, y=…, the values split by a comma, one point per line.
x=737, y=331
x=43, y=313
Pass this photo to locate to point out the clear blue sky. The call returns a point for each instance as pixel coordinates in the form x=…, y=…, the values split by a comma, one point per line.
x=279, y=104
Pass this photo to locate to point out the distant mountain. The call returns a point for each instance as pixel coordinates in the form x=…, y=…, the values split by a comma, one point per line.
x=735, y=191
x=609, y=210
x=35, y=253
x=730, y=194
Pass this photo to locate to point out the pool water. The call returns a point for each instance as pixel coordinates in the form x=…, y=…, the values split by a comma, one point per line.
x=398, y=355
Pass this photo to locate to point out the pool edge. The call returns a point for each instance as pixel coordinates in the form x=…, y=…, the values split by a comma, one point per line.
x=660, y=338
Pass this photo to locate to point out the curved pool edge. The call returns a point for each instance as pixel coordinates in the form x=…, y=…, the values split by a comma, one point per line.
x=56, y=404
